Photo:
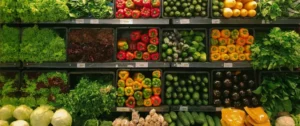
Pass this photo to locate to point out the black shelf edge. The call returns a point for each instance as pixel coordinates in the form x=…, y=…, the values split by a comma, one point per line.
x=166, y=108
x=9, y=65
x=195, y=108
x=99, y=65
x=211, y=64
x=163, y=108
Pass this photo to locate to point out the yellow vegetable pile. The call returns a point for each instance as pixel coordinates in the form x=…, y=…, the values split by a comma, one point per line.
x=242, y=8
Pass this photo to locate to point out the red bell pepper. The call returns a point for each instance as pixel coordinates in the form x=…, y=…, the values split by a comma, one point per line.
x=129, y=4
x=121, y=55
x=128, y=12
x=120, y=4
x=138, y=54
x=129, y=56
x=136, y=14
x=146, y=12
x=147, y=3
x=156, y=100
x=130, y=102
x=145, y=38
x=135, y=35
x=146, y=56
x=132, y=46
x=141, y=46
x=120, y=13
x=138, y=2
x=153, y=32
x=154, y=41
x=155, y=3
x=155, y=56
x=155, y=12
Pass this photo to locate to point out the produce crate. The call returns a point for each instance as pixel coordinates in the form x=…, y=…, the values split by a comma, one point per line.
x=181, y=2
x=61, y=31
x=11, y=78
x=193, y=87
x=148, y=74
x=92, y=41
x=233, y=84
x=251, y=32
x=138, y=8
x=178, y=30
x=212, y=3
x=124, y=33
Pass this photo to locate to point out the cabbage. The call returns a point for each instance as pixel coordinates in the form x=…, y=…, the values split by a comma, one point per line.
x=22, y=112
x=41, y=116
x=6, y=112
x=3, y=123
x=61, y=118
x=19, y=123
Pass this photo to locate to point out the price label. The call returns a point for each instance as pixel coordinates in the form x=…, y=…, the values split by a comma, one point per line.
x=183, y=108
x=265, y=22
x=80, y=65
x=123, y=109
x=126, y=21
x=215, y=21
x=141, y=64
x=183, y=65
x=79, y=21
x=218, y=109
x=130, y=66
x=94, y=21
x=184, y=21
x=74, y=0
x=228, y=65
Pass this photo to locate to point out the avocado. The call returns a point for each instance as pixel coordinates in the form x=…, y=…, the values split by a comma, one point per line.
x=176, y=84
x=190, y=89
x=192, y=77
x=182, y=82
x=187, y=96
x=174, y=95
x=184, y=89
x=183, y=102
x=180, y=95
x=169, y=101
x=196, y=96
x=191, y=102
x=168, y=95
x=178, y=89
x=197, y=88
x=175, y=78
x=169, y=77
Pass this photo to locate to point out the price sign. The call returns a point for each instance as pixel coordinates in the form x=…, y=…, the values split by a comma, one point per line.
x=184, y=21
x=130, y=66
x=80, y=65
x=218, y=109
x=126, y=21
x=183, y=108
x=94, y=21
x=79, y=21
x=228, y=65
x=183, y=65
x=215, y=21
x=123, y=109
x=141, y=64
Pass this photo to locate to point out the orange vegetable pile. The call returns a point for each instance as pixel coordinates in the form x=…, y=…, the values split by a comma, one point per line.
x=229, y=45
x=242, y=8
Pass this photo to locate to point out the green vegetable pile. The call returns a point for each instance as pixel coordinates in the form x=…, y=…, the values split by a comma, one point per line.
x=8, y=87
x=185, y=8
x=191, y=119
x=279, y=49
x=9, y=44
x=183, y=46
x=185, y=89
x=42, y=45
x=280, y=93
x=95, y=8
x=8, y=13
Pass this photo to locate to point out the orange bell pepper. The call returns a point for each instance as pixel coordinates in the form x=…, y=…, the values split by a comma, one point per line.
x=234, y=56
x=241, y=41
x=123, y=74
x=257, y=114
x=224, y=57
x=225, y=33
x=239, y=49
x=215, y=56
x=247, y=49
x=223, y=49
x=215, y=33
x=214, y=49
x=156, y=90
x=230, y=41
x=121, y=83
x=138, y=77
x=250, y=40
x=244, y=33
x=223, y=41
x=129, y=82
x=137, y=86
x=242, y=57
x=231, y=48
x=147, y=102
x=248, y=56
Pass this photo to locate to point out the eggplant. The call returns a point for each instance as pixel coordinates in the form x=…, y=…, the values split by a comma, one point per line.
x=217, y=102
x=217, y=84
x=235, y=79
x=249, y=92
x=226, y=93
x=245, y=77
x=227, y=83
x=254, y=101
x=235, y=88
x=237, y=104
x=242, y=85
x=219, y=75
x=251, y=83
x=227, y=102
x=246, y=102
x=242, y=93
x=217, y=94
x=235, y=96
x=228, y=74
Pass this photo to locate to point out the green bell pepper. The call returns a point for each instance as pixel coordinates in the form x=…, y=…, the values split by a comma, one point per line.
x=138, y=95
x=121, y=91
x=147, y=83
x=120, y=101
x=147, y=92
x=156, y=82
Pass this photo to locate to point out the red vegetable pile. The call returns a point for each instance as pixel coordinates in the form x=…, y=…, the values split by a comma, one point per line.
x=140, y=46
x=137, y=8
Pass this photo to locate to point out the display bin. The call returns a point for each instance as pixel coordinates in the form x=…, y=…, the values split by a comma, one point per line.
x=251, y=32
x=188, y=107
x=148, y=74
x=124, y=33
x=86, y=38
x=207, y=10
x=10, y=77
x=205, y=40
x=241, y=83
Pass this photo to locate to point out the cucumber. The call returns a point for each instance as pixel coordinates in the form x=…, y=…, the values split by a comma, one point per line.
x=205, y=124
x=179, y=123
x=190, y=117
x=217, y=121
x=167, y=118
x=183, y=119
x=210, y=120
x=172, y=124
x=202, y=117
x=196, y=118
x=173, y=115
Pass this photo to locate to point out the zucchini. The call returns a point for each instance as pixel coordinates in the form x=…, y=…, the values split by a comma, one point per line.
x=179, y=123
x=210, y=120
x=190, y=117
x=172, y=124
x=217, y=121
x=183, y=119
x=202, y=117
x=173, y=115
x=196, y=118
x=167, y=118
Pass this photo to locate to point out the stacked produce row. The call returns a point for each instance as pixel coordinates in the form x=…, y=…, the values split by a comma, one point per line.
x=185, y=8
x=137, y=8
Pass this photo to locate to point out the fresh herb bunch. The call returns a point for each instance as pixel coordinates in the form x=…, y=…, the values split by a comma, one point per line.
x=78, y=8
x=280, y=93
x=42, y=45
x=279, y=49
x=9, y=44
x=89, y=99
x=8, y=13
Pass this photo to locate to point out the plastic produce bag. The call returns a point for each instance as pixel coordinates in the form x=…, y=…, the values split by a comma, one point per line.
x=233, y=117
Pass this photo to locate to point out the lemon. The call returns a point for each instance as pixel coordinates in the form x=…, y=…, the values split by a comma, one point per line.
x=227, y=12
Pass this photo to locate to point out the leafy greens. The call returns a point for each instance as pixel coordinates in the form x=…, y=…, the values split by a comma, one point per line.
x=96, y=8
x=9, y=44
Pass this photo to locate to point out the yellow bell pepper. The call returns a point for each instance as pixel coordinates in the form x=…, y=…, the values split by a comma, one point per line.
x=234, y=56
x=129, y=91
x=257, y=114
x=137, y=86
x=233, y=117
x=138, y=77
x=123, y=75
x=129, y=82
x=121, y=83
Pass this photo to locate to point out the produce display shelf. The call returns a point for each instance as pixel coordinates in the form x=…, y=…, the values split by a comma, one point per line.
x=193, y=108
x=232, y=21
x=211, y=64
x=9, y=65
x=163, y=108
x=99, y=65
